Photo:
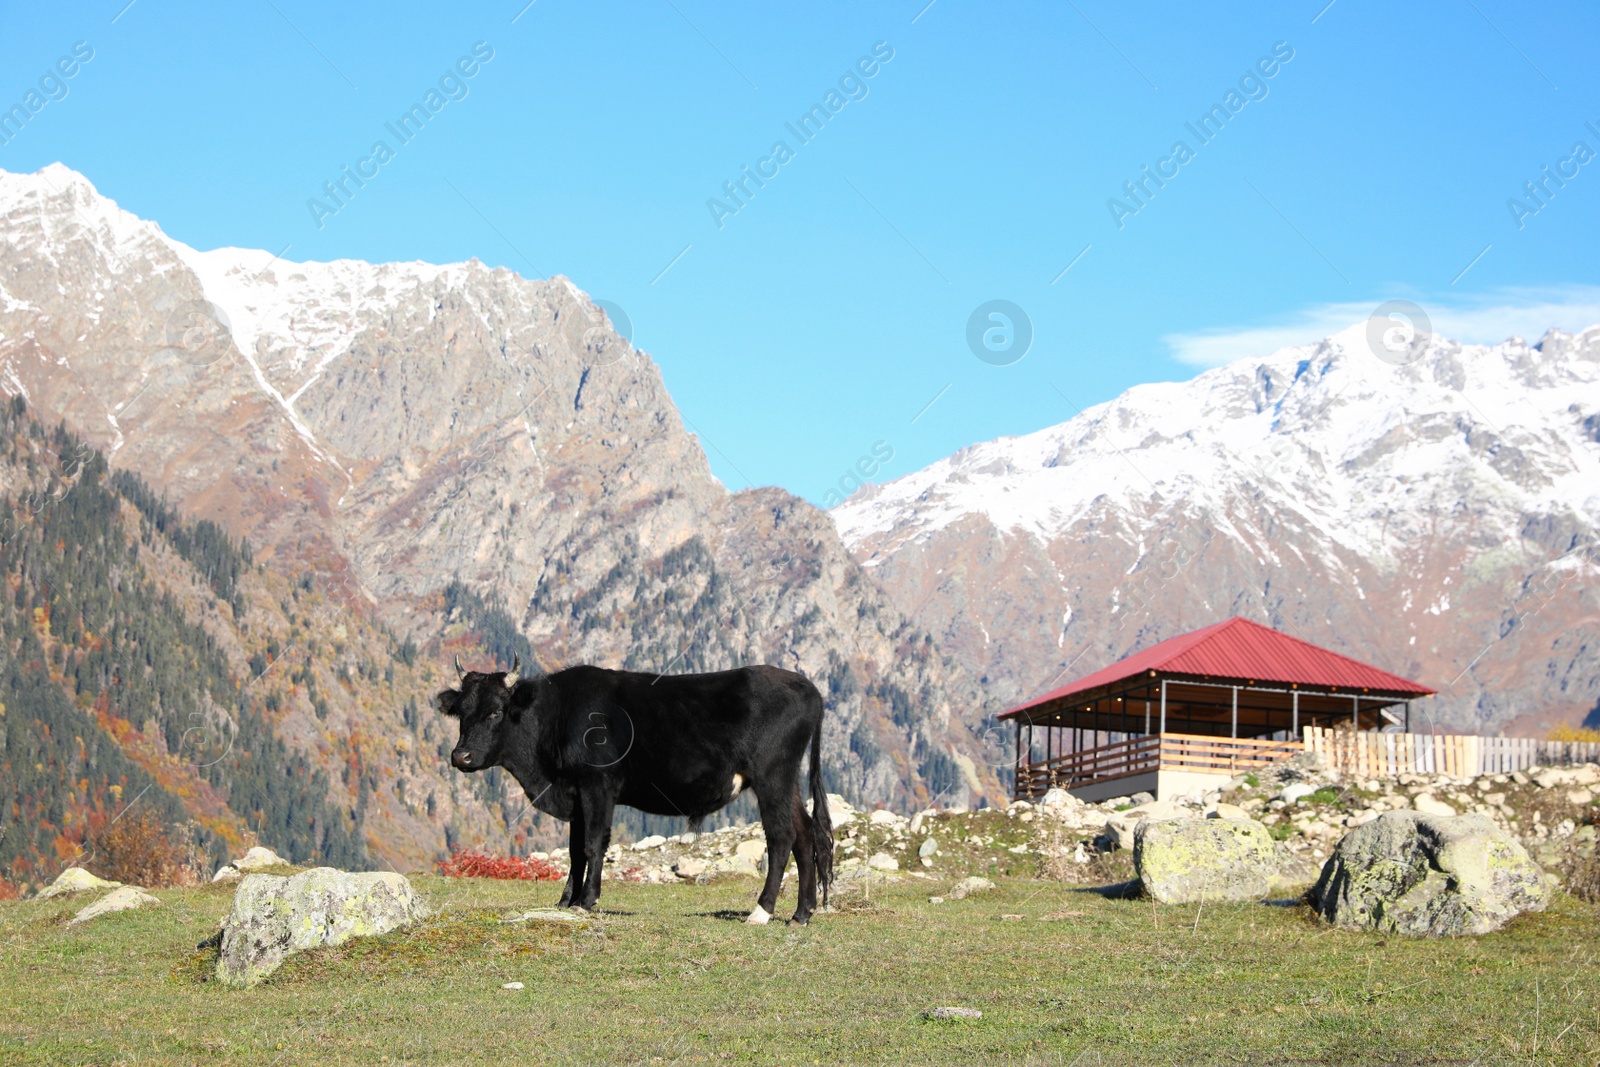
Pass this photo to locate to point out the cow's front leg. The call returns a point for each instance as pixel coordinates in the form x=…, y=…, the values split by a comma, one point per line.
x=597, y=810
x=575, y=853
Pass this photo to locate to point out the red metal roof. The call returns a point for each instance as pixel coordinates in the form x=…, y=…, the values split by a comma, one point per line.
x=1238, y=649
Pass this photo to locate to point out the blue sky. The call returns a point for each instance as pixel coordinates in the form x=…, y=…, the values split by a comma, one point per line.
x=974, y=165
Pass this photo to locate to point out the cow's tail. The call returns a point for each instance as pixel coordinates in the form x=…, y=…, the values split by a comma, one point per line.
x=821, y=821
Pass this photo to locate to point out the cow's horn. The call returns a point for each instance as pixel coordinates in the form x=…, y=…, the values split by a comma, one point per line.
x=512, y=677
x=462, y=671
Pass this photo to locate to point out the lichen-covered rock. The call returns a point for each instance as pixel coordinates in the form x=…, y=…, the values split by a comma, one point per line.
x=74, y=880
x=127, y=898
x=1410, y=873
x=1184, y=861
x=274, y=916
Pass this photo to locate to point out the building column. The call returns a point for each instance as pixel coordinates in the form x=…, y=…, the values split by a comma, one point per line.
x=1355, y=713
x=1234, y=729
x=1163, y=705
x=1294, y=711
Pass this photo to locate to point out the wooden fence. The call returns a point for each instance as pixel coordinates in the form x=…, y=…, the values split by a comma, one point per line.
x=1377, y=755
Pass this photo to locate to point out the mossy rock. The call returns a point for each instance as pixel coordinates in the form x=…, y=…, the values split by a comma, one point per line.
x=1429, y=875
x=273, y=917
x=1184, y=861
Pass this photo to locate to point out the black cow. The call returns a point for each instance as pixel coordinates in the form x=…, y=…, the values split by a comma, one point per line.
x=585, y=739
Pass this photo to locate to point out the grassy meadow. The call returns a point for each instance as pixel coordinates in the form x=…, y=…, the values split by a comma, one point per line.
x=668, y=975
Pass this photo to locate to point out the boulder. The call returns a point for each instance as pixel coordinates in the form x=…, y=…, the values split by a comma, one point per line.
x=1552, y=777
x=751, y=852
x=127, y=898
x=1228, y=811
x=644, y=844
x=689, y=868
x=1120, y=826
x=1183, y=861
x=1057, y=798
x=74, y=880
x=227, y=873
x=882, y=861
x=259, y=857
x=1410, y=873
x=273, y=916
x=1428, y=804
x=967, y=886
x=840, y=813
x=928, y=849
x=1295, y=792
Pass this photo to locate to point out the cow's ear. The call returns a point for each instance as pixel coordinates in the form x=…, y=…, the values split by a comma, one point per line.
x=521, y=698
x=449, y=703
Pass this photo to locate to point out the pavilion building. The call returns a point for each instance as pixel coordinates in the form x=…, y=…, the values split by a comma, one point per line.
x=1197, y=709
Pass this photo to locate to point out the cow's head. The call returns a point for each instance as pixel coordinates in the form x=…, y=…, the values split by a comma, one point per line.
x=485, y=704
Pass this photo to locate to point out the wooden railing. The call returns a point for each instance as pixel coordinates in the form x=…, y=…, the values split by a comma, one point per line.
x=1141, y=755
x=1374, y=755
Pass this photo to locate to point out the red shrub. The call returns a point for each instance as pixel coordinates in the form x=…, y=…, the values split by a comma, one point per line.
x=476, y=863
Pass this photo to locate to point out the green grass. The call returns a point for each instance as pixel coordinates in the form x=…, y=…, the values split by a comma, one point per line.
x=668, y=975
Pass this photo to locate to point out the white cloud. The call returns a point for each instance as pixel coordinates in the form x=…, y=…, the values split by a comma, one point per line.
x=1493, y=318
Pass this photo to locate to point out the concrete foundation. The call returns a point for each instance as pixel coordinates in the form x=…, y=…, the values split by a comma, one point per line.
x=1163, y=785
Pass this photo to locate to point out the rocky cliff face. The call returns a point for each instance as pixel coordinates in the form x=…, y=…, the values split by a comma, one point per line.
x=389, y=428
x=1438, y=516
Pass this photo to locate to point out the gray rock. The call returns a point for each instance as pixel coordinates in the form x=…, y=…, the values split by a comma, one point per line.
x=1410, y=873
x=927, y=849
x=548, y=915
x=258, y=858
x=274, y=916
x=74, y=880
x=1292, y=794
x=969, y=885
x=952, y=1013
x=1188, y=860
x=127, y=898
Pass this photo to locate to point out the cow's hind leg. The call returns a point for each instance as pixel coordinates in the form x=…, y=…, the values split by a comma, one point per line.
x=598, y=806
x=806, y=860
x=574, y=888
x=778, y=823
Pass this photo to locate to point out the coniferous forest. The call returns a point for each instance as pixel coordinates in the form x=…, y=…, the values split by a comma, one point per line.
x=115, y=701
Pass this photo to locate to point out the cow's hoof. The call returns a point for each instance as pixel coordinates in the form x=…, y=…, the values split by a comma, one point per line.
x=759, y=917
x=800, y=920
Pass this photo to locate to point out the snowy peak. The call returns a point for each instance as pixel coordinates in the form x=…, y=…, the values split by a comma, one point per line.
x=1438, y=515
x=1327, y=429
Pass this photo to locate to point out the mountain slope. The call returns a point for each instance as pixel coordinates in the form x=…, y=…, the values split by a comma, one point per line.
x=1438, y=518
x=393, y=428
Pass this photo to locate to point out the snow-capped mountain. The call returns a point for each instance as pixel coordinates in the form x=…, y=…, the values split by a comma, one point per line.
x=392, y=427
x=1435, y=513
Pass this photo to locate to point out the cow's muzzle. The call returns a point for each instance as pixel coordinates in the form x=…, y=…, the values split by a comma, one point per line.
x=462, y=760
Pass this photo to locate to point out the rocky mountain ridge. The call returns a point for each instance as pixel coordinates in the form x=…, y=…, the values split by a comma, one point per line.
x=1435, y=512
x=396, y=429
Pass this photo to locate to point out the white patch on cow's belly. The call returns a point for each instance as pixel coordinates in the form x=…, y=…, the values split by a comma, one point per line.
x=738, y=786
x=759, y=917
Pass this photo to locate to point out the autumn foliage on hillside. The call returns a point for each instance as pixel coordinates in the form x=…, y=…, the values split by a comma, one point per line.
x=476, y=863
